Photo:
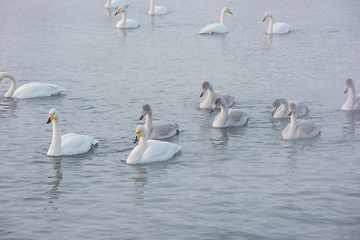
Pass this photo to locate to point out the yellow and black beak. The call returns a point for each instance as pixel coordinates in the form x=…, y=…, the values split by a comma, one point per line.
x=51, y=117
x=265, y=18
x=230, y=12
x=137, y=136
x=117, y=12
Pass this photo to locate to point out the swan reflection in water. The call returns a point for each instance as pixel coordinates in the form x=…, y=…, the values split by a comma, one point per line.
x=53, y=193
x=7, y=108
x=352, y=121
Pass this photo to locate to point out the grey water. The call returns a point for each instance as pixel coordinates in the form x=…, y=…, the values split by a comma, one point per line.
x=235, y=183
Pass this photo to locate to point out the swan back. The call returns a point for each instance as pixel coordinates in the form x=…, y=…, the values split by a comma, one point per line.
x=156, y=10
x=219, y=28
x=36, y=89
x=116, y=3
x=276, y=28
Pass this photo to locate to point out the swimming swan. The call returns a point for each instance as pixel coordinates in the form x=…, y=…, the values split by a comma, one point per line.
x=281, y=108
x=68, y=144
x=116, y=3
x=158, y=129
x=353, y=101
x=156, y=10
x=276, y=28
x=226, y=117
x=299, y=128
x=208, y=100
x=30, y=90
x=218, y=27
x=150, y=150
x=126, y=23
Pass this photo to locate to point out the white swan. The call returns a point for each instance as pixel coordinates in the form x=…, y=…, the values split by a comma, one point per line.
x=281, y=108
x=30, y=90
x=218, y=27
x=299, y=128
x=116, y=3
x=208, y=100
x=156, y=10
x=126, y=23
x=158, y=129
x=226, y=117
x=68, y=144
x=353, y=101
x=276, y=28
x=150, y=150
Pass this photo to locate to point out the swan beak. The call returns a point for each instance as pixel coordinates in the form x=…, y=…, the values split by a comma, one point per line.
x=141, y=117
x=116, y=12
x=272, y=113
x=264, y=18
x=290, y=113
x=213, y=108
x=137, y=136
x=346, y=89
x=51, y=117
x=201, y=94
x=230, y=12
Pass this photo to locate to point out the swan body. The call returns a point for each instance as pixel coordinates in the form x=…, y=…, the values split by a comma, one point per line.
x=156, y=10
x=299, y=128
x=217, y=27
x=30, y=90
x=158, y=129
x=208, y=100
x=281, y=108
x=68, y=144
x=116, y=3
x=150, y=150
x=353, y=101
x=126, y=23
x=276, y=28
x=226, y=117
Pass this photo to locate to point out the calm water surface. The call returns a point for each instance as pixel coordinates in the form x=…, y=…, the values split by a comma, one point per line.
x=236, y=183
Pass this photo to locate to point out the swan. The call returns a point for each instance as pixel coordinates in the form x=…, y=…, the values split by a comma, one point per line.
x=299, y=128
x=276, y=28
x=158, y=129
x=208, y=100
x=353, y=101
x=226, y=117
x=156, y=10
x=30, y=90
x=150, y=150
x=218, y=27
x=126, y=23
x=68, y=144
x=116, y=3
x=281, y=108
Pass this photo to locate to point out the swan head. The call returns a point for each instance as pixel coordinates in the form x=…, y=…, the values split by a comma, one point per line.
x=139, y=132
x=267, y=15
x=145, y=110
x=276, y=104
x=120, y=9
x=205, y=86
x=216, y=103
x=227, y=10
x=348, y=83
x=53, y=114
x=292, y=108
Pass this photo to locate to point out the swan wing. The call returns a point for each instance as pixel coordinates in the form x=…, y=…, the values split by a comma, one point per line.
x=306, y=129
x=281, y=28
x=33, y=90
x=237, y=118
x=132, y=23
x=356, y=105
x=163, y=129
x=214, y=28
x=227, y=98
x=73, y=143
x=301, y=108
x=117, y=3
x=159, y=151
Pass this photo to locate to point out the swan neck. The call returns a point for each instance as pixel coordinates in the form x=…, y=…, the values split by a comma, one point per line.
x=211, y=94
x=270, y=29
x=222, y=16
x=13, y=86
x=143, y=142
x=293, y=124
x=148, y=122
x=55, y=147
x=152, y=7
x=352, y=94
x=224, y=114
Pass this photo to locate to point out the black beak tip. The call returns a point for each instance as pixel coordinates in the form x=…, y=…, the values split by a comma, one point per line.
x=48, y=121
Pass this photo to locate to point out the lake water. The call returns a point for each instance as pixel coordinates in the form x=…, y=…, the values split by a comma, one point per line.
x=236, y=183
